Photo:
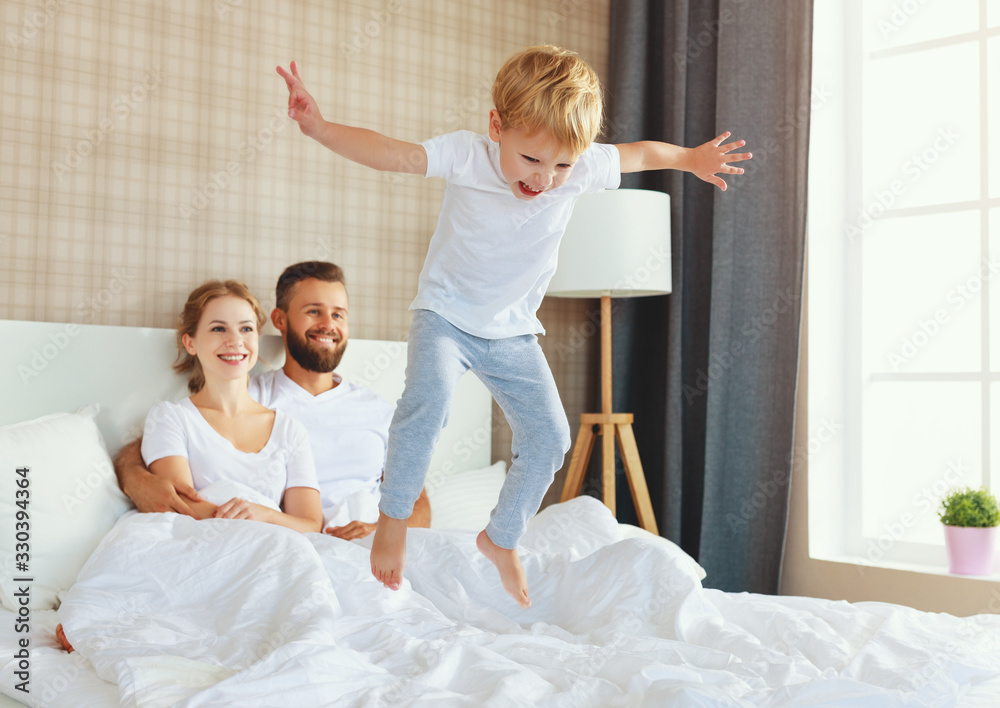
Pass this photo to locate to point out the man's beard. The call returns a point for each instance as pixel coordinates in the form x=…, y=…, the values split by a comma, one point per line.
x=322, y=361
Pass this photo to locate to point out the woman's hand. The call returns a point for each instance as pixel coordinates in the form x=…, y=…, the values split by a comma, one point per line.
x=302, y=510
x=237, y=508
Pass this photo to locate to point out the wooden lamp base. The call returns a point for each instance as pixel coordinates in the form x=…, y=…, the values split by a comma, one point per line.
x=610, y=426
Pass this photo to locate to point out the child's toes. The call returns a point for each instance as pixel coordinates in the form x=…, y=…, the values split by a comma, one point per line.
x=393, y=580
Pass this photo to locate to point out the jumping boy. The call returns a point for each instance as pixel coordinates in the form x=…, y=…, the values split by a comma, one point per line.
x=507, y=200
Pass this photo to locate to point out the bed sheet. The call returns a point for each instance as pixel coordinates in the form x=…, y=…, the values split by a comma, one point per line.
x=615, y=622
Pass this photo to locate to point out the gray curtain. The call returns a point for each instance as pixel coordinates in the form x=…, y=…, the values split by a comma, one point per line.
x=710, y=370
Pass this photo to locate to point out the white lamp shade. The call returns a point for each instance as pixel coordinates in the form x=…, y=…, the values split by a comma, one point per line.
x=617, y=243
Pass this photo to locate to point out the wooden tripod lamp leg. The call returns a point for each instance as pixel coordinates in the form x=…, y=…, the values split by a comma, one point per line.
x=608, y=466
x=607, y=408
x=578, y=463
x=636, y=478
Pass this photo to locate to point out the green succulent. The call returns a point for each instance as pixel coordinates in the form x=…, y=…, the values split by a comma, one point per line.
x=970, y=507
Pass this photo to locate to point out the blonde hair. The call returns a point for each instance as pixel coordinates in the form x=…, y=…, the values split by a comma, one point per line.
x=187, y=323
x=552, y=88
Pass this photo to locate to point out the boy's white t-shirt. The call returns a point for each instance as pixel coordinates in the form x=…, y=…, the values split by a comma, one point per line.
x=178, y=428
x=492, y=255
x=348, y=428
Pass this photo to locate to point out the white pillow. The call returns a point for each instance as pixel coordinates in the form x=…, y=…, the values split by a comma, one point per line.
x=582, y=525
x=672, y=549
x=464, y=500
x=73, y=499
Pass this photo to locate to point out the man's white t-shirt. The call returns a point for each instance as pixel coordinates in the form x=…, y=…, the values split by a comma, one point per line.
x=348, y=429
x=492, y=255
x=178, y=428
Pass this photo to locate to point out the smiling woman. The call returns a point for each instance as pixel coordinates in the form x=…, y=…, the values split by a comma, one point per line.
x=255, y=462
x=220, y=433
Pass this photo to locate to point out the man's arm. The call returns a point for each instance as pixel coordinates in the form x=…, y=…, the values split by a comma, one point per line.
x=705, y=161
x=366, y=147
x=149, y=492
x=420, y=518
x=177, y=473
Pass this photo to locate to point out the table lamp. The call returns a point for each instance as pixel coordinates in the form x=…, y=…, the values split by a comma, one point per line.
x=617, y=244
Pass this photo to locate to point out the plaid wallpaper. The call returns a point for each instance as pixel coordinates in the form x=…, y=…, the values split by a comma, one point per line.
x=145, y=147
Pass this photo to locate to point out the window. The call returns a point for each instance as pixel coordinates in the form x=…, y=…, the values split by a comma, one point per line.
x=903, y=271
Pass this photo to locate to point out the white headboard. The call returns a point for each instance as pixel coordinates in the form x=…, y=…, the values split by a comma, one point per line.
x=50, y=367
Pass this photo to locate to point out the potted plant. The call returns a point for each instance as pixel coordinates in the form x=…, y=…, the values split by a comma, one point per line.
x=970, y=518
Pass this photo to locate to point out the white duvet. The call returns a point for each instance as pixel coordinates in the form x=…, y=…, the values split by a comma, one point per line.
x=210, y=613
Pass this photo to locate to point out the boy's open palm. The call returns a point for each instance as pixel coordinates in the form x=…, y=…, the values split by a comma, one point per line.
x=709, y=160
x=302, y=107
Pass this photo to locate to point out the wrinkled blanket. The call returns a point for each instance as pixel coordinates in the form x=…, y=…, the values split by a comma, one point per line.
x=216, y=612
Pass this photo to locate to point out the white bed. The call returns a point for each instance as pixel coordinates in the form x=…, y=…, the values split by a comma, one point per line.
x=276, y=618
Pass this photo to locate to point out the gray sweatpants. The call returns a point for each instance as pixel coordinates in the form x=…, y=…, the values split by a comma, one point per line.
x=517, y=375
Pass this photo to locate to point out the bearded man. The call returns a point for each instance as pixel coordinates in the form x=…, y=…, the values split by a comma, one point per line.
x=348, y=424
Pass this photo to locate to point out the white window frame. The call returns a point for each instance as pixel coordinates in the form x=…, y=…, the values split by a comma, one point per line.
x=836, y=378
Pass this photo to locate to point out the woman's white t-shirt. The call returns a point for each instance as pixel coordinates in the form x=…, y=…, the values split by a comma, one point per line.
x=178, y=428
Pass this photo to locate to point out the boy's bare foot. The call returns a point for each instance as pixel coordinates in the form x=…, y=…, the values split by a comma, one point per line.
x=61, y=636
x=515, y=582
x=389, y=551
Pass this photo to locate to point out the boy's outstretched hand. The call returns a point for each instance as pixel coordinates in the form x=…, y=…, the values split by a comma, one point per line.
x=710, y=160
x=707, y=161
x=302, y=107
